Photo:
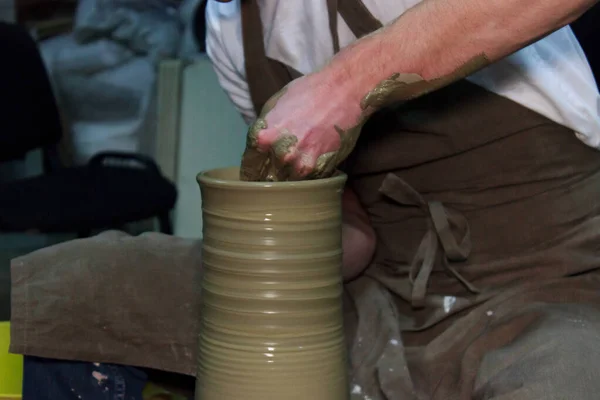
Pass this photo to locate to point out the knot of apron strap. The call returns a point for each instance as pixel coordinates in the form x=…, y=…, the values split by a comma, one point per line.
x=442, y=230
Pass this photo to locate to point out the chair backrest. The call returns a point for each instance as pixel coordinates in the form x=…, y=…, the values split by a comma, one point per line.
x=29, y=117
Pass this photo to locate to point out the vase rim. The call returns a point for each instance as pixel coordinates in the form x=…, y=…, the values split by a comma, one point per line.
x=218, y=178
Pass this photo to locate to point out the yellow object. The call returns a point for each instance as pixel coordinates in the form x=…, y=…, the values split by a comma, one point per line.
x=153, y=392
x=11, y=367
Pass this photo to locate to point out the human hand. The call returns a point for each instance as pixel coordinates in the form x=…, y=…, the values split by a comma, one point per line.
x=304, y=131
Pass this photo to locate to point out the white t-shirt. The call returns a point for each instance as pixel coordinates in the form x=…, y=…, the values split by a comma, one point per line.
x=551, y=76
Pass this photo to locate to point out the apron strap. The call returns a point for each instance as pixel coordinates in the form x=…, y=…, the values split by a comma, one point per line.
x=443, y=228
x=332, y=10
x=359, y=19
x=265, y=76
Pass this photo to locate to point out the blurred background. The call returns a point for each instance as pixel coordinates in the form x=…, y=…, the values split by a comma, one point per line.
x=108, y=110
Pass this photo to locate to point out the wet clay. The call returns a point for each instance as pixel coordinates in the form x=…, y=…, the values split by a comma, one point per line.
x=271, y=319
x=398, y=88
x=404, y=87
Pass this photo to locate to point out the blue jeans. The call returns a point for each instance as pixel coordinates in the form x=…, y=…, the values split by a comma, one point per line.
x=45, y=379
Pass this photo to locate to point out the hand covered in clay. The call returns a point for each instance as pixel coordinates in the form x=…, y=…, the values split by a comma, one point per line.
x=304, y=131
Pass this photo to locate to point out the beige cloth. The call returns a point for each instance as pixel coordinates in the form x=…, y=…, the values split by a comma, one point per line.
x=112, y=298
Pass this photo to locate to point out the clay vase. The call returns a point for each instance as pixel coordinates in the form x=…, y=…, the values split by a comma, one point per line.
x=271, y=320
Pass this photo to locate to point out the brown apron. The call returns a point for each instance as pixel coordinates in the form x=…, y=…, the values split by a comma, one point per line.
x=487, y=220
x=484, y=284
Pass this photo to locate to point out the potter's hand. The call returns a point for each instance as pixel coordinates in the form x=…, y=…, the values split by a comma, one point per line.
x=304, y=131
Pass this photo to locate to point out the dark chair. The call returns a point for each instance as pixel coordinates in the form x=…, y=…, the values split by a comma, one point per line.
x=112, y=190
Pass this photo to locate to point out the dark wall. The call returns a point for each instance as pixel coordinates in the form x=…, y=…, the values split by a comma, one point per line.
x=587, y=30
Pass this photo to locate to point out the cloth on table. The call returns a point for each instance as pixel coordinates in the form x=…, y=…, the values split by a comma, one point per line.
x=112, y=298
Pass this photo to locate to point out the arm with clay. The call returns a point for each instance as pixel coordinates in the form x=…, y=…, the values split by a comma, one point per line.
x=440, y=41
x=313, y=124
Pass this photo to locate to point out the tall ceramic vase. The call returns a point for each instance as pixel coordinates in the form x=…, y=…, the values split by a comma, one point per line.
x=271, y=320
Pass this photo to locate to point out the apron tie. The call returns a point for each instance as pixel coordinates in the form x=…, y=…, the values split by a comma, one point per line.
x=443, y=226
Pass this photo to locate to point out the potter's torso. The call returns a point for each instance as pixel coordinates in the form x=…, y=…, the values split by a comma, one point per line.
x=551, y=77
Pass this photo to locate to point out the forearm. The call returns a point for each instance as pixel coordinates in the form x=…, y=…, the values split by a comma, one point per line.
x=434, y=39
